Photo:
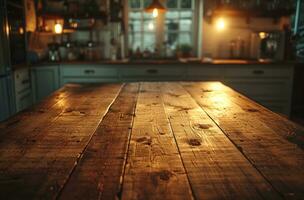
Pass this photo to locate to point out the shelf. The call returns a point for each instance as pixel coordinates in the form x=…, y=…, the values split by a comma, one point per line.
x=50, y=15
x=66, y=31
x=250, y=13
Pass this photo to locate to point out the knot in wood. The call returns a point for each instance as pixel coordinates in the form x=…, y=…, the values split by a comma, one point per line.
x=194, y=142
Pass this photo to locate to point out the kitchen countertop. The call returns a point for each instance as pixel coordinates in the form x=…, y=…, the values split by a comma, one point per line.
x=178, y=140
x=166, y=62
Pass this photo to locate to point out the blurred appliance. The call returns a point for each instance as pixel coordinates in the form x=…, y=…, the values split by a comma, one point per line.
x=267, y=45
x=16, y=31
x=54, y=52
x=6, y=81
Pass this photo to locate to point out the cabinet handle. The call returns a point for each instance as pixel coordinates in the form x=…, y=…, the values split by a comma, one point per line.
x=25, y=81
x=258, y=72
x=89, y=71
x=152, y=71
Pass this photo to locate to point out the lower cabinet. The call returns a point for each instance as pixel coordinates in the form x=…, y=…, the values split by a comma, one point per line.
x=267, y=84
x=152, y=73
x=5, y=100
x=45, y=80
x=88, y=74
x=23, y=89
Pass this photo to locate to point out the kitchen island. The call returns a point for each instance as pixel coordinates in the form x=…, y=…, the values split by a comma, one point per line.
x=160, y=140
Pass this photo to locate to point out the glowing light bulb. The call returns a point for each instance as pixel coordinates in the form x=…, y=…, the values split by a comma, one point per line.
x=151, y=26
x=21, y=30
x=220, y=24
x=262, y=35
x=155, y=12
x=58, y=28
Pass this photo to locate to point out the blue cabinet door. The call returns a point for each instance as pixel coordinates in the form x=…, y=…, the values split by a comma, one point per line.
x=45, y=80
x=4, y=99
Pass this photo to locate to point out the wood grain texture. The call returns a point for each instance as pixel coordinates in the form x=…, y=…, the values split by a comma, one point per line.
x=134, y=141
x=258, y=138
x=279, y=124
x=216, y=168
x=38, y=152
x=154, y=169
x=98, y=173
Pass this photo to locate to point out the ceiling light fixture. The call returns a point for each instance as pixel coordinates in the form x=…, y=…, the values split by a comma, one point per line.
x=155, y=7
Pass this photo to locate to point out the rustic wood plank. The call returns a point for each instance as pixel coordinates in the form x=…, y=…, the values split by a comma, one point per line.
x=36, y=163
x=216, y=168
x=99, y=172
x=31, y=119
x=279, y=124
x=278, y=160
x=154, y=169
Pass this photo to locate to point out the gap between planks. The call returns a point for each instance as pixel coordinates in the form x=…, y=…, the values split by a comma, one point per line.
x=154, y=168
x=221, y=173
x=49, y=156
x=88, y=142
x=278, y=161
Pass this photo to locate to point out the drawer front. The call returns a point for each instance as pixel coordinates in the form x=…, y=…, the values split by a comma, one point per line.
x=88, y=71
x=23, y=100
x=258, y=72
x=22, y=80
x=152, y=72
x=204, y=73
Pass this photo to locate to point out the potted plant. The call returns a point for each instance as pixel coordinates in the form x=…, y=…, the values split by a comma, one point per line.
x=184, y=51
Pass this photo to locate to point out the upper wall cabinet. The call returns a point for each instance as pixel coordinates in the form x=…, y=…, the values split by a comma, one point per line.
x=249, y=8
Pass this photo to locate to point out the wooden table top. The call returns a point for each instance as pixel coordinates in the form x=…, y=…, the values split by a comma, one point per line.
x=178, y=140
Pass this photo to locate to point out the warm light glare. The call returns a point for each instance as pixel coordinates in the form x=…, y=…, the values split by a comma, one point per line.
x=7, y=29
x=220, y=24
x=21, y=30
x=220, y=101
x=58, y=28
x=262, y=35
x=155, y=12
x=151, y=26
x=216, y=86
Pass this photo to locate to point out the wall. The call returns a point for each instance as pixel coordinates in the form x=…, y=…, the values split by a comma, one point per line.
x=216, y=44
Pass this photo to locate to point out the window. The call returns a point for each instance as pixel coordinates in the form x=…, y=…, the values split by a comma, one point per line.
x=170, y=30
x=179, y=23
x=141, y=26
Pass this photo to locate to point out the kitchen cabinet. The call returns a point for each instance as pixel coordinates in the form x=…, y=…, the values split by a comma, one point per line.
x=4, y=97
x=269, y=85
x=45, y=80
x=23, y=90
x=204, y=73
x=152, y=73
x=88, y=74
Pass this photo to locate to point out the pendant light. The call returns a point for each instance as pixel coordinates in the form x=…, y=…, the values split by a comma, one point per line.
x=155, y=7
